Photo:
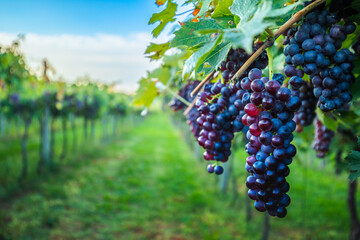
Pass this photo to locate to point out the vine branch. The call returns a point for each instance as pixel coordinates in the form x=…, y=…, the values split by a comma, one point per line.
x=206, y=79
x=268, y=43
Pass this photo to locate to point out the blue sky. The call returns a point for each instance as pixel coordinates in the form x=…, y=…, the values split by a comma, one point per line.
x=76, y=16
x=104, y=39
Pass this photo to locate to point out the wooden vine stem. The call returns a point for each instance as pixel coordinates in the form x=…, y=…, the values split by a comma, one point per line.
x=198, y=87
x=192, y=104
x=196, y=90
x=268, y=43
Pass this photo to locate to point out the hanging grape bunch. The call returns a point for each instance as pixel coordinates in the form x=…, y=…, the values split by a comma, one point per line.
x=221, y=109
x=313, y=48
x=176, y=105
x=237, y=57
x=270, y=135
x=218, y=106
x=306, y=114
x=184, y=92
x=322, y=139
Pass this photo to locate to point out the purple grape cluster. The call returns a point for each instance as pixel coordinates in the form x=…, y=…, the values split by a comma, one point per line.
x=269, y=116
x=314, y=48
x=191, y=117
x=184, y=92
x=176, y=105
x=322, y=139
x=306, y=114
x=219, y=106
x=237, y=57
x=14, y=98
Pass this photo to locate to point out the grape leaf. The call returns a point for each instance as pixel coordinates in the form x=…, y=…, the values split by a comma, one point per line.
x=354, y=164
x=282, y=14
x=146, y=93
x=204, y=8
x=188, y=35
x=193, y=62
x=164, y=17
x=214, y=59
x=244, y=9
x=329, y=122
x=156, y=51
x=162, y=74
x=243, y=35
x=222, y=8
x=254, y=20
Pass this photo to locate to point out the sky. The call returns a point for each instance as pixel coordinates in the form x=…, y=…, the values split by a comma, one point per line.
x=104, y=39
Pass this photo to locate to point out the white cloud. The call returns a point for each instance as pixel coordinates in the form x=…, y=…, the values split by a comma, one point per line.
x=104, y=57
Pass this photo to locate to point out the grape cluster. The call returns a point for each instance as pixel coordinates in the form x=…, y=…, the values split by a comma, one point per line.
x=191, y=117
x=184, y=92
x=313, y=48
x=322, y=139
x=219, y=106
x=306, y=114
x=176, y=105
x=237, y=57
x=269, y=117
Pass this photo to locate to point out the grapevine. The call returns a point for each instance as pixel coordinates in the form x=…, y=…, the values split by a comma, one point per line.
x=317, y=39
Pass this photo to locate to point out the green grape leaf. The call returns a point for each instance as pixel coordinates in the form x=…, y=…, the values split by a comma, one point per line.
x=204, y=7
x=146, y=93
x=164, y=17
x=238, y=39
x=280, y=14
x=244, y=9
x=354, y=164
x=329, y=122
x=243, y=35
x=254, y=20
x=188, y=35
x=156, y=51
x=222, y=8
x=193, y=62
x=162, y=74
x=348, y=117
x=214, y=59
x=280, y=11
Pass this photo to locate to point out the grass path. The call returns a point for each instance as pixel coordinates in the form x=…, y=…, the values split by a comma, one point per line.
x=148, y=185
x=145, y=188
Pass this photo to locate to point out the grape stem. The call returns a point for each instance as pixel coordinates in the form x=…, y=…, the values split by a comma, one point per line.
x=196, y=90
x=270, y=41
x=192, y=104
x=181, y=99
x=198, y=87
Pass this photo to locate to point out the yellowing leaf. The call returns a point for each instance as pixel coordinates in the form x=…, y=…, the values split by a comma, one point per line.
x=146, y=93
x=160, y=2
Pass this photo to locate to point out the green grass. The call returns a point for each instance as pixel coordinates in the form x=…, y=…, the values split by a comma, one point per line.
x=149, y=185
x=10, y=151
